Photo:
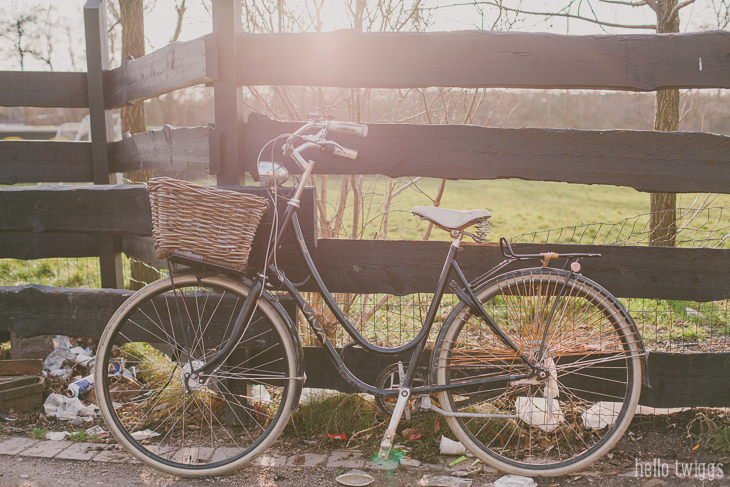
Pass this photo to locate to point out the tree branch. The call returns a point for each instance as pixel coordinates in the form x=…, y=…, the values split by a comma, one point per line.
x=559, y=14
x=180, y=14
x=630, y=4
x=675, y=10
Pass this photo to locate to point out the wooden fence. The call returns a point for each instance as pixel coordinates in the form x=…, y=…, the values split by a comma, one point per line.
x=104, y=220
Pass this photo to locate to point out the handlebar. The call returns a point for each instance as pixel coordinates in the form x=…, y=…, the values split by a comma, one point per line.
x=345, y=152
x=348, y=128
x=319, y=139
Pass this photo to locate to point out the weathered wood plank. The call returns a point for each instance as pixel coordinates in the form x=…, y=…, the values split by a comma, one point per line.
x=34, y=310
x=228, y=96
x=44, y=161
x=170, y=150
x=175, y=66
x=644, y=160
x=43, y=89
x=123, y=209
x=29, y=246
x=485, y=59
x=142, y=248
x=97, y=61
x=687, y=379
x=102, y=128
x=407, y=267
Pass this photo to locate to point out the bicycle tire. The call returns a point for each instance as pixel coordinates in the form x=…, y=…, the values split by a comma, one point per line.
x=219, y=424
x=592, y=355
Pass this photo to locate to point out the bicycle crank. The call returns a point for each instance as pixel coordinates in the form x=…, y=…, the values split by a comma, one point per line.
x=387, y=444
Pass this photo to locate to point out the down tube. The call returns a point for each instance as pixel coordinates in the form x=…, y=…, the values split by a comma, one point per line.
x=339, y=315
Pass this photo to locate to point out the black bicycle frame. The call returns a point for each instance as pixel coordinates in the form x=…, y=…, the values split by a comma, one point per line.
x=461, y=287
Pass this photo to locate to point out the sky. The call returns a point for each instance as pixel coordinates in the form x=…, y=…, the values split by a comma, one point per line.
x=67, y=19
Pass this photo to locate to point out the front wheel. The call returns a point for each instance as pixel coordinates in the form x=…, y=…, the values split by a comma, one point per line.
x=591, y=358
x=202, y=427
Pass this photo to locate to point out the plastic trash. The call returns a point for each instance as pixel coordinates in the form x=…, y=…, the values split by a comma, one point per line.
x=458, y=461
x=443, y=481
x=57, y=435
x=85, y=360
x=53, y=364
x=260, y=394
x=451, y=447
x=543, y=412
x=81, y=386
x=601, y=414
x=355, y=478
x=514, y=481
x=470, y=470
x=67, y=408
x=144, y=434
x=96, y=430
x=537, y=411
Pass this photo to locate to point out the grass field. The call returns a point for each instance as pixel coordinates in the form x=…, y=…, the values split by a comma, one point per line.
x=517, y=206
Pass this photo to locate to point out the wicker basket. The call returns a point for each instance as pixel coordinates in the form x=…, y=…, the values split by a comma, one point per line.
x=203, y=222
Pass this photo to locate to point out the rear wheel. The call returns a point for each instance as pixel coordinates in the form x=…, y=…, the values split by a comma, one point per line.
x=592, y=363
x=197, y=427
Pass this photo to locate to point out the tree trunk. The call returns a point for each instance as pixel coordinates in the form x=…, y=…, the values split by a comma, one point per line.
x=131, y=16
x=666, y=117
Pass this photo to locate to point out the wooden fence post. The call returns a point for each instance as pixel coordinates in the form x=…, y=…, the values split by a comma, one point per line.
x=228, y=96
x=102, y=129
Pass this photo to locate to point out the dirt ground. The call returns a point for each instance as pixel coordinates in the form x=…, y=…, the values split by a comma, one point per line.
x=658, y=448
x=654, y=447
x=33, y=472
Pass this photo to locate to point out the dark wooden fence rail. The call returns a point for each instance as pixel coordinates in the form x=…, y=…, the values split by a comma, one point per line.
x=681, y=162
x=486, y=59
x=104, y=220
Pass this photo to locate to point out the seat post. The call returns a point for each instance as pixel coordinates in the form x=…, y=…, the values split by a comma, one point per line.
x=457, y=235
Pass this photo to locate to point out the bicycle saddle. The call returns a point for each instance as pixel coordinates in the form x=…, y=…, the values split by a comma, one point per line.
x=451, y=219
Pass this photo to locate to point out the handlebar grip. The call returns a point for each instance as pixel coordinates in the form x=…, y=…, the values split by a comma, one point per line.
x=349, y=128
x=345, y=152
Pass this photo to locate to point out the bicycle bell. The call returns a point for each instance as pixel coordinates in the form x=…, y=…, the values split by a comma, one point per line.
x=272, y=174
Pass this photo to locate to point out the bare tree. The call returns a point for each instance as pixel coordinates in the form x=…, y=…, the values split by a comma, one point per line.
x=28, y=30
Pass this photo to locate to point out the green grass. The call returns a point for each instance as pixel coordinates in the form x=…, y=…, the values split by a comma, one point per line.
x=517, y=206
x=77, y=436
x=58, y=272
x=712, y=430
x=719, y=440
x=340, y=414
x=5, y=351
x=364, y=425
x=39, y=433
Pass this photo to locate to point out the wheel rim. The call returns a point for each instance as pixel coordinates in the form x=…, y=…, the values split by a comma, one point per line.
x=213, y=424
x=590, y=359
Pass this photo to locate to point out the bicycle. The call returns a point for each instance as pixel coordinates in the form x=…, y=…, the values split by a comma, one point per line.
x=537, y=370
